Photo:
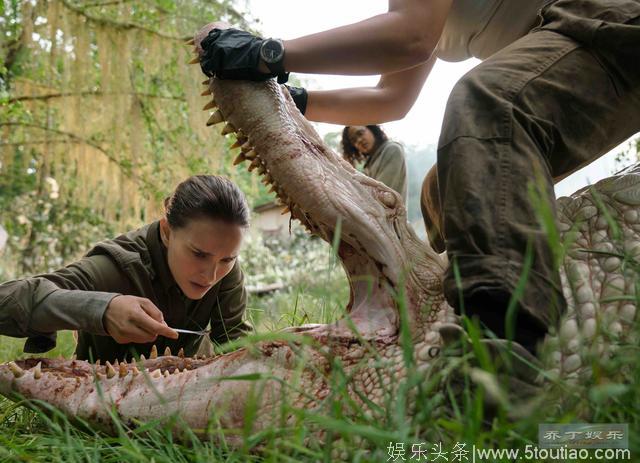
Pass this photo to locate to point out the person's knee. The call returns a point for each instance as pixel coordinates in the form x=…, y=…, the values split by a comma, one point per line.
x=477, y=107
x=431, y=211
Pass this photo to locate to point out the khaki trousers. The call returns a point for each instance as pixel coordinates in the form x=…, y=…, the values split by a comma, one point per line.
x=541, y=108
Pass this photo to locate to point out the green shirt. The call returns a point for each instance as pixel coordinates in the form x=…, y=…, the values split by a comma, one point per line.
x=387, y=165
x=76, y=297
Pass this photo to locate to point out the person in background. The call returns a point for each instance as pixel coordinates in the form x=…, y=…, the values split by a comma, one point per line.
x=384, y=159
x=129, y=292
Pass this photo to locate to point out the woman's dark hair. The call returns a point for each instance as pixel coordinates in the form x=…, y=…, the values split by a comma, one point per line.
x=209, y=196
x=350, y=153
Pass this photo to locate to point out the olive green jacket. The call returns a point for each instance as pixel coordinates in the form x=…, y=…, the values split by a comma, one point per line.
x=76, y=297
x=387, y=165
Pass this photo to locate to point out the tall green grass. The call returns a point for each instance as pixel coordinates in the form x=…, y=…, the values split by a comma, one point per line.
x=442, y=415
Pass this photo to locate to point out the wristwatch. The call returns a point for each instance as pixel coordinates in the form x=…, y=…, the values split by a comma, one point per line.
x=272, y=53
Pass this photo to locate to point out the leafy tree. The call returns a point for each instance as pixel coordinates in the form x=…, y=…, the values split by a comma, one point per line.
x=99, y=120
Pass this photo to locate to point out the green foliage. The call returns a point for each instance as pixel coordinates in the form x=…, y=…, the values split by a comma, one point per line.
x=333, y=140
x=41, y=225
x=629, y=155
x=315, y=288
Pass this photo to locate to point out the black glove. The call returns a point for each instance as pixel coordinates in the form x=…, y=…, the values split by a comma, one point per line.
x=300, y=96
x=232, y=54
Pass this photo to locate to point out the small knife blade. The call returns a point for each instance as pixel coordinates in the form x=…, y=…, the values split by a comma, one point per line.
x=198, y=333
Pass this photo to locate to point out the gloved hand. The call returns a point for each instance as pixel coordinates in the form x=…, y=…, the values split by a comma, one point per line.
x=300, y=96
x=232, y=54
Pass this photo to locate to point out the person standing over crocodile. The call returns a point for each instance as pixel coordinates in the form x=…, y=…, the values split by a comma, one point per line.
x=126, y=293
x=559, y=86
x=383, y=158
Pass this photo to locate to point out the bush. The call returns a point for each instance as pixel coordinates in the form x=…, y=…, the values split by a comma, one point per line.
x=314, y=285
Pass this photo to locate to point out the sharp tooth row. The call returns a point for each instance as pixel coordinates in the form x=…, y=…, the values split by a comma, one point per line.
x=248, y=153
x=122, y=372
x=110, y=370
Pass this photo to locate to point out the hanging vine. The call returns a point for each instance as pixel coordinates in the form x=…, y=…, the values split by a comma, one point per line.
x=98, y=120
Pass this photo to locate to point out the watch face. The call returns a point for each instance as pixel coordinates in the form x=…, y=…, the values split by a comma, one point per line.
x=272, y=51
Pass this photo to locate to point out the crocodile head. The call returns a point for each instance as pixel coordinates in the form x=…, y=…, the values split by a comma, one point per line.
x=384, y=260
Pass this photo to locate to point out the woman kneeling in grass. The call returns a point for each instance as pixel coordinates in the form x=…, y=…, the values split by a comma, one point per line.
x=129, y=292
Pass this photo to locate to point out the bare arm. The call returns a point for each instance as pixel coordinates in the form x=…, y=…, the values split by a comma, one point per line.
x=398, y=45
x=391, y=99
x=403, y=37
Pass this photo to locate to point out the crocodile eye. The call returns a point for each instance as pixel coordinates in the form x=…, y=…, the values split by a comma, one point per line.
x=388, y=199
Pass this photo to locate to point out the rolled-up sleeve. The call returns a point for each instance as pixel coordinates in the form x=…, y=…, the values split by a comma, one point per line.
x=228, y=316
